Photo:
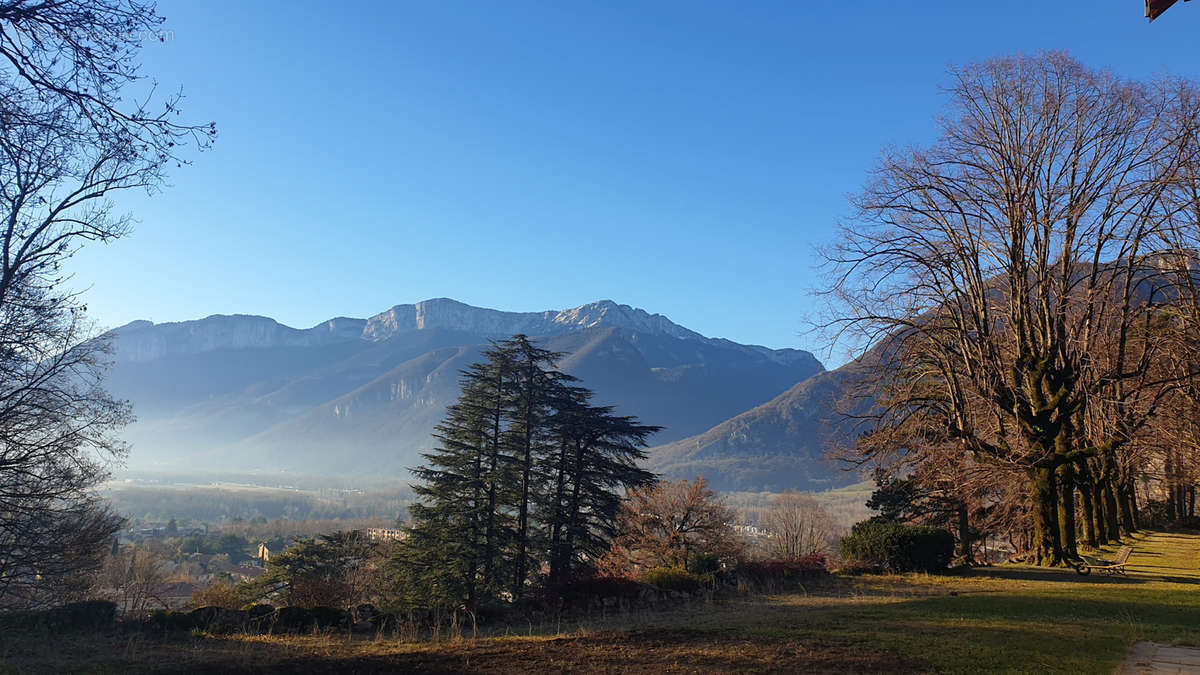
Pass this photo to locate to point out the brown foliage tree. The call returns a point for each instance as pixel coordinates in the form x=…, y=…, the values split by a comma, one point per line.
x=669, y=523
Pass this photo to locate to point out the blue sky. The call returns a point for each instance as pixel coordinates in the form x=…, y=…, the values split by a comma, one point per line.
x=683, y=157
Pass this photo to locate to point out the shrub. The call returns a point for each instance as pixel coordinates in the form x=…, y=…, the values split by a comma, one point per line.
x=606, y=587
x=87, y=615
x=895, y=547
x=674, y=579
x=292, y=619
x=706, y=563
x=1154, y=513
x=365, y=612
x=219, y=619
x=304, y=619
x=259, y=616
x=171, y=621
x=330, y=617
x=782, y=569
x=219, y=595
x=385, y=621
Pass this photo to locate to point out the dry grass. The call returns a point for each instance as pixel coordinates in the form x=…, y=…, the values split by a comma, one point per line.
x=999, y=619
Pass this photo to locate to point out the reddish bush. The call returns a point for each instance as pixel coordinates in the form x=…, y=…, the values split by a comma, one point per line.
x=606, y=587
x=782, y=569
x=586, y=591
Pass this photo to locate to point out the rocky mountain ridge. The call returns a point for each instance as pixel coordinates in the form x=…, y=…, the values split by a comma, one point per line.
x=145, y=341
x=361, y=396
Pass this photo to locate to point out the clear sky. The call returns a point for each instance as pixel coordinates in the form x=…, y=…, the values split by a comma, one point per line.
x=682, y=157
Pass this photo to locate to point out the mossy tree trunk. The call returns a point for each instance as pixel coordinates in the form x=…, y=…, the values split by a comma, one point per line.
x=964, y=531
x=1112, y=523
x=1066, y=510
x=1086, y=503
x=1126, y=508
x=1043, y=494
x=1101, y=521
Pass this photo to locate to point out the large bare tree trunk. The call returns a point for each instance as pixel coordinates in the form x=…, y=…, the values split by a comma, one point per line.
x=1113, y=524
x=1066, y=510
x=1043, y=496
x=1127, y=510
x=964, y=532
x=1103, y=536
x=1087, y=505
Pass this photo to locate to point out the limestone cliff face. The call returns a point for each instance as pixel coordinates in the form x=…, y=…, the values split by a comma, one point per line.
x=142, y=341
x=451, y=314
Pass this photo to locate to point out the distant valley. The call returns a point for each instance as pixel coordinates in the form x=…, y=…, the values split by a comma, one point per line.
x=361, y=396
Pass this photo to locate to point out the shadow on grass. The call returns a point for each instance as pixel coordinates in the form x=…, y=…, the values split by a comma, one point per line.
x=1045, y=629
x=654, y=650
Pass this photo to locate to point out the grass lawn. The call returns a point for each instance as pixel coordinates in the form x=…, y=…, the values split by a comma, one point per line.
x=1007, y=618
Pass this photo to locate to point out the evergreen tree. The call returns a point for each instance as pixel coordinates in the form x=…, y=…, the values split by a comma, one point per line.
x=535, y=389
x=525, y=472
x=596, y=455
x=492, y=382
x=312, y=571
x=461, y=524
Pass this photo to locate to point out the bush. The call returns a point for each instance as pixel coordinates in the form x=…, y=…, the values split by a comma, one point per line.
x=674, y=579
x=219, y=595
x=330, y=617
x=304, y=619
x=605, y=587
x=219, y=619
x=171, y=621
x=782, y=569
x=857, y=567
x=259, y=616
x=895, y=547
x=292, y=619
x=706, y=564
x=87, y=615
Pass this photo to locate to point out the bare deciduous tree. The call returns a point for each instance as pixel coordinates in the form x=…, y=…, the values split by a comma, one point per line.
x=134, y=580
x=1003, y=274
x=69, y=141
x=797, y=526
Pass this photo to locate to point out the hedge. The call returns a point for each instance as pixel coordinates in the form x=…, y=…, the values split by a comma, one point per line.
x=896, y=547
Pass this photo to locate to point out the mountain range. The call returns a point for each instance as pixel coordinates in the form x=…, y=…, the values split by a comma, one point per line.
x=361, y=396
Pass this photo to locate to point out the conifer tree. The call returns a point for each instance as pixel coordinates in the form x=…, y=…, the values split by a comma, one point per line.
x=596, y=456
x=535, y=389
x=526, y=471
x=460, y=525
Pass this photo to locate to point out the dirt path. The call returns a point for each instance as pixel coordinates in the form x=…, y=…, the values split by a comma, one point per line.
x=1148, y=657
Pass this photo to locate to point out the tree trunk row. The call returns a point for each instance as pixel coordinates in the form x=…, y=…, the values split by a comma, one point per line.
x=1086, y=499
